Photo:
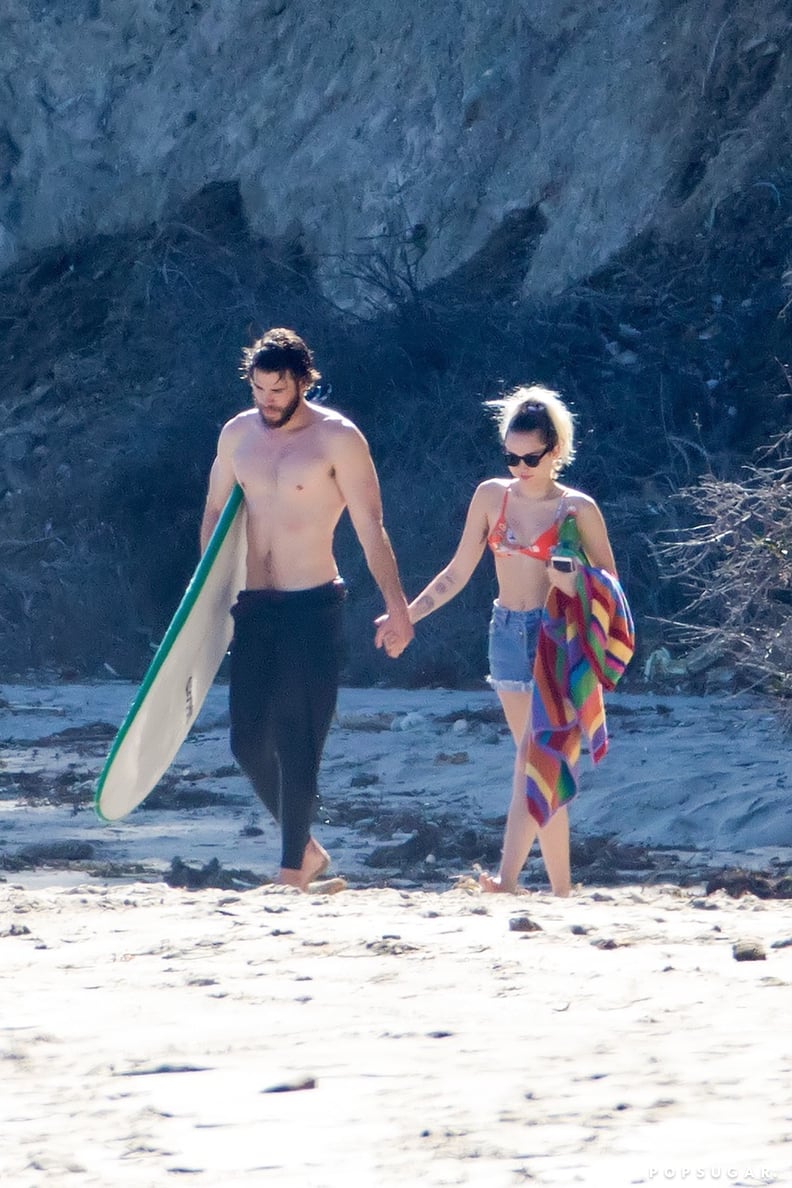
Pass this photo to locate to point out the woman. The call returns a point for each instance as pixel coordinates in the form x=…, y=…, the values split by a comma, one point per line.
x=519, y=518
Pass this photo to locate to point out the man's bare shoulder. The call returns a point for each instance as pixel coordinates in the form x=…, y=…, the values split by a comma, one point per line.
x=332, y=419
x=337, y=429
x=240, y=423
x=236, y=431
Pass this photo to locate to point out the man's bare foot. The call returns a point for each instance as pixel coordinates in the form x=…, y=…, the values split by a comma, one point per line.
x=328, y=886
x=494, y=884
x=290, y=878
x=316, y=861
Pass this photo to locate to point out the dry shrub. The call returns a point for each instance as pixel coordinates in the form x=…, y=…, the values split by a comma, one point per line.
x=736, y=564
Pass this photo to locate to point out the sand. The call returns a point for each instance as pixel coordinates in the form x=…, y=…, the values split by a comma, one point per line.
x=407, y=1030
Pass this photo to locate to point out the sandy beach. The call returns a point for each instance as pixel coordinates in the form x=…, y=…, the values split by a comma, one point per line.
x=167, y=1014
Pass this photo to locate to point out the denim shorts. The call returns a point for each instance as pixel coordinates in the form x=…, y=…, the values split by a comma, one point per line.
x=513, y=636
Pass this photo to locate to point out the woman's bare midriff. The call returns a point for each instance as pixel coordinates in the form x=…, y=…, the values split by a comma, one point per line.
x=522, y=583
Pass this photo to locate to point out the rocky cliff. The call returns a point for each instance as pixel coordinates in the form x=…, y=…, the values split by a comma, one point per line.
x=349, y=125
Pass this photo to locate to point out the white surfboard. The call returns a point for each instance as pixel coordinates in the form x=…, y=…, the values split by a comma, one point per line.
x=181, y=673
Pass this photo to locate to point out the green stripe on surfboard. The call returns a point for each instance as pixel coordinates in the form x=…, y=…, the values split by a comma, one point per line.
x=183, y=610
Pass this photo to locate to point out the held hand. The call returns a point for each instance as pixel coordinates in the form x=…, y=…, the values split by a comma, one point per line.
x=566, y=582
x=381, y=625
x=394, y=632
x=386, y=637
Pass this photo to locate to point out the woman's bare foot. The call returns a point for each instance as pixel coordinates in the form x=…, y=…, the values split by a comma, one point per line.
x=316, y=861
x=494, y=884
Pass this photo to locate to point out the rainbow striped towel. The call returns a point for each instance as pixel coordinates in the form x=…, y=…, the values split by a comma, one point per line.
x=585, y=644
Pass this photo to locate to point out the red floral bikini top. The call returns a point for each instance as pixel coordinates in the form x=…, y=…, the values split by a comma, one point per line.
x=502, y=540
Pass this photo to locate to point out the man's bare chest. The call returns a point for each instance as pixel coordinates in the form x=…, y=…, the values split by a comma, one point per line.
x=287, y=470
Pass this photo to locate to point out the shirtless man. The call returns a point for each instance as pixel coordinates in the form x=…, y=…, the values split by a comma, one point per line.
x=299, y=466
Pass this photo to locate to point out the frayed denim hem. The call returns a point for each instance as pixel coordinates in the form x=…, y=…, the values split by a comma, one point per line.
x=509, y=686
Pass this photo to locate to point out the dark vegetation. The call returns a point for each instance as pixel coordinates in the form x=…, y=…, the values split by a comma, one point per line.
x=119, y=365
x=736, y=564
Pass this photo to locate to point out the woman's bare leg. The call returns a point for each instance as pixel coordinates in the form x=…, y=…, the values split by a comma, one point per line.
x=517, y=841
x=521, y=828
x=554, y=844
x=516, y=708
x=520, y=832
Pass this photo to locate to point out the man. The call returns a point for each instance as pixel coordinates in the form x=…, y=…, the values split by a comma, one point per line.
x=299, y=466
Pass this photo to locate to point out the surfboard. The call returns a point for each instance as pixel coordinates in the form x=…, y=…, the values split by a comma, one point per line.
x=181, y=672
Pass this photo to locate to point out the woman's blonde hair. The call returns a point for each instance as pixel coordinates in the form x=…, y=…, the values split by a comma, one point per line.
x=533, y=408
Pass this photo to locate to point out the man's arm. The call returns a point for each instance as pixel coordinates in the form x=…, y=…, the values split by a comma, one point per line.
x=358, y=483
x=221, y=483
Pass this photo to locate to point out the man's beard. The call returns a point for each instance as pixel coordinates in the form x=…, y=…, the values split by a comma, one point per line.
x=284, y=416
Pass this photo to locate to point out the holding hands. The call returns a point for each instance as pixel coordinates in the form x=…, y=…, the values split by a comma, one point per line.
x=394, y=632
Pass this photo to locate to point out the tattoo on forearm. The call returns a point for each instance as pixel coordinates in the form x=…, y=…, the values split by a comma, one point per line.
x=425, y=605
x=427, y=602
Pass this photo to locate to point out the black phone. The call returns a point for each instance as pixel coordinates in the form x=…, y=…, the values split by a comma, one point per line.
x=562, y=564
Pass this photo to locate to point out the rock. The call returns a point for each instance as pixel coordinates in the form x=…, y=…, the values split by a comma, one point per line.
x=748, y=951
x=294, y=1085
x=390, y=948
x=212, y=874
x=424, y=841
x=703, y=657
x=411, y=721
x=364, y=779
x=659, y=663
x=738, y=882
x=57, y=851
x=523, y=924
x=15, y=930
x=719, y=678
x=420, y=108
x=373, y=722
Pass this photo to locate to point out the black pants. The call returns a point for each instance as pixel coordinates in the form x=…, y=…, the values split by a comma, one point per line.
x=285, y=662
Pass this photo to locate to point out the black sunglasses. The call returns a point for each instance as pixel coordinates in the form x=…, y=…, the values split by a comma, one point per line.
x=531, y=460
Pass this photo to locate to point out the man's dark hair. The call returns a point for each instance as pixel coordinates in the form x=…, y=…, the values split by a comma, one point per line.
x=281, y=351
